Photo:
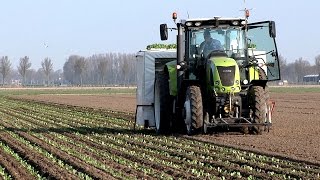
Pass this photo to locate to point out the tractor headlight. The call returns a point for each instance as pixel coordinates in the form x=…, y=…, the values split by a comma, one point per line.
x=197, y=24
x=245, y=81
x=188, y=23
x=235, y=23
x=223, y=89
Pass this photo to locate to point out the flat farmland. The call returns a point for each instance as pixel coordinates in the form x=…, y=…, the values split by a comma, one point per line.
x=74, y=135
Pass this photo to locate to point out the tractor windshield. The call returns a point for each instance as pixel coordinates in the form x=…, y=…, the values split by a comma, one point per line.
x=204, y=41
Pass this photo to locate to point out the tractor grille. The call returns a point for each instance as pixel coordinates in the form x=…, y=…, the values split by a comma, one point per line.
x=226, y=75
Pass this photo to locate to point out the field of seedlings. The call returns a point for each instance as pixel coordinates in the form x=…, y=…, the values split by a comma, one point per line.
x=48, y=138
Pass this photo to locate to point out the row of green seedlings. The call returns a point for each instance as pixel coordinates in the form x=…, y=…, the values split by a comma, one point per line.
x=41, y=151
x=56, y=114
x=73, y=110
x=88, y=159
x=3, y=172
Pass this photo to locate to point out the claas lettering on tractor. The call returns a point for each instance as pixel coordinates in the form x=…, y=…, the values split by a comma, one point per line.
x=217, y=76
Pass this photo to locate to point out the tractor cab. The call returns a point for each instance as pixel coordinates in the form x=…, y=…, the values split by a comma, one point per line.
x=249, y=44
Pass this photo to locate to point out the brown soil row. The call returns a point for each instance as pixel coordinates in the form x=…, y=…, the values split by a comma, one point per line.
x=46, y=166
x=14, y=167
x=73, y=161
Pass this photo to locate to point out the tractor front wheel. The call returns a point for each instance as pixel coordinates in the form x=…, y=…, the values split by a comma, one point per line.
x=193, y=110
x=258, y=107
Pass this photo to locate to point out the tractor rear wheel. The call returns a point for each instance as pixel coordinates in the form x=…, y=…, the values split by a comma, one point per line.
x=193, y=110
x=258, y=107
x=162, y=103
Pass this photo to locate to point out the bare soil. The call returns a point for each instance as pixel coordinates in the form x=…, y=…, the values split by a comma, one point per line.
x=295, y=132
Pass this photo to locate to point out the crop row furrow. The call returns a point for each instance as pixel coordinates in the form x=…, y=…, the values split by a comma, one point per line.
x=56, y=112
x=11, y=165
x=89, y=159
x=45, y=165
x=159, y=155
x=57, y=151
x=4, y=174
x=228, y=153
x=125, y=154
x=76, y=121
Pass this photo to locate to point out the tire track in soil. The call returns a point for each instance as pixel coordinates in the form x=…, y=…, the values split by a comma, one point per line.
x=14, y=167
x=45, y=166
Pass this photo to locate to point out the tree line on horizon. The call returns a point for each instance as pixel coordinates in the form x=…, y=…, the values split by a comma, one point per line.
x=112, y=69
x=294, y=71
x=98, y=69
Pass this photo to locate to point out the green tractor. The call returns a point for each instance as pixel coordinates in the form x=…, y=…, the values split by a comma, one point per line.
x=222, y=87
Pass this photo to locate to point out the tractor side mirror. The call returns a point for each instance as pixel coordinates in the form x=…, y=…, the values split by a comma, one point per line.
x=163, y=32
x=272, y=29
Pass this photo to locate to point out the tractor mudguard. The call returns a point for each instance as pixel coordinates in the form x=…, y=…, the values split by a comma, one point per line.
x=171, y=67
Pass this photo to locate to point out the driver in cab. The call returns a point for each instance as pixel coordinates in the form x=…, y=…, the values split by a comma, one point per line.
x=209, y=44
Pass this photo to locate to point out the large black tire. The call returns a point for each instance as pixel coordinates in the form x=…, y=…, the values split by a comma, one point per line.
x=162, y=104
x=193, y=110
x=258, y=106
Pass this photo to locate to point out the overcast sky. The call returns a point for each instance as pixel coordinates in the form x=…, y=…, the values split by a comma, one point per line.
x=59, y=28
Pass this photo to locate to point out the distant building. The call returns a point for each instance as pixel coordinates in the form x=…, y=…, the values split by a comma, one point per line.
x=312, y=79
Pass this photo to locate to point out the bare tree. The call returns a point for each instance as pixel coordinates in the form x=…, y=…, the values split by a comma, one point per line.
x=317, y=64
x=5, y=67
x=301, y=67
x=125, y=70
x=47, y=67
x=102, y=68
x=80, y=67
x=23, y=67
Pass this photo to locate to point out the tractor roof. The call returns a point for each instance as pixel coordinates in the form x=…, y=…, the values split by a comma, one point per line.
x=215, y=21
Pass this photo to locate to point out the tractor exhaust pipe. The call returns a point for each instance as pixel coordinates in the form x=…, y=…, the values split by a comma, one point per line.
x=180, y=55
